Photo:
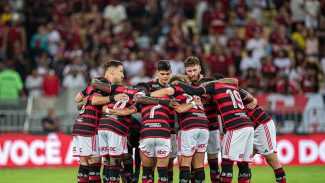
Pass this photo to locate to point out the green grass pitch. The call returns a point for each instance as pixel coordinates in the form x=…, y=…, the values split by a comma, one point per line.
x=295, y=174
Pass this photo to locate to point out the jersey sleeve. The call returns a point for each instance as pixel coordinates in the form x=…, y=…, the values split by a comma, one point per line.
x=191, y=90
x=209, y=88
x=84, y=93
x=245, y=96
x=136, y=107
x=99, y=93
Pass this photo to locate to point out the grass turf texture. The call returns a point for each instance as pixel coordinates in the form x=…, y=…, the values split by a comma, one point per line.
x=297, y=174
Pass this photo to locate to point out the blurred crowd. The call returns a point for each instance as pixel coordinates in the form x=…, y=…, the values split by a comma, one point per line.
x=269, y=45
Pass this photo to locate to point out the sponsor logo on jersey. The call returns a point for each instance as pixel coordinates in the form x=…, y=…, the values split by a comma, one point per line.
x=153, y=125
x=241, y=114
x=111, y=116
x=200, y=115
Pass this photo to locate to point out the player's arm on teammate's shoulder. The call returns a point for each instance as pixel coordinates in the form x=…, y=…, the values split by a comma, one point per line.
x=81, y=104
x=248, y=99
x=105, y=87
x=184, y=107
x=100, y=98
x=164, y=92
x=206, y=89
x=78, y=97
x=231, y=81
x=81, y=99
x=149, y=101
x=120, y=112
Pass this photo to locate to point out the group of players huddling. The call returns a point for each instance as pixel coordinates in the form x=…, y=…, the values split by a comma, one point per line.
x=114, y=119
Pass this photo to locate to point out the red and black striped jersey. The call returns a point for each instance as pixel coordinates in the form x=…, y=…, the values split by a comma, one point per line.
x=135, y=122
x=87, y=121
x=258, y=115
x=155, y=120
x=114, y=123
x=229, y=100
x=193, y=118
x=154, y=85
x=210, y=110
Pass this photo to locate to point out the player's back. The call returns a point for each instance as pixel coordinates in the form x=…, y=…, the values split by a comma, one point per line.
x=87, y=120
x=193, y=118
x=155, y=121
x=230, y=104
x=258, y=115
x=118, y=124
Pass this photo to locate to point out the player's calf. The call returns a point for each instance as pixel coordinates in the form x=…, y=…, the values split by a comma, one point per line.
x=184, y=174
x=94, y=173
x=147, y=174
x=83, y=173
x=162, y=174
x=214, y=170
x=227, y=170
x=170, y=170
x=280, y=175
x=127, y=170
x=114, y=170
x=199, y=175
x=244, y=172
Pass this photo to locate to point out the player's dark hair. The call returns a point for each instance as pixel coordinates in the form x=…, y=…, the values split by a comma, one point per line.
x=142, y=85
x=112, y=63
x=191, y=61
x=205, y=79
x=218, y=76
x=164, y=65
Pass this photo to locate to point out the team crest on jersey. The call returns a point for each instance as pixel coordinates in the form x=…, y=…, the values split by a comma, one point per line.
x=79, y=119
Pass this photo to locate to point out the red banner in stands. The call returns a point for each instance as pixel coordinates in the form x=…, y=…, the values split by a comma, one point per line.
x=22, y=150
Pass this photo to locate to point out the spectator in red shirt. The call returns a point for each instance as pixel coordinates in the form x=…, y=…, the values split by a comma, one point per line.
x=279, y=39
x=218, y=61
x=285, y=86
x=218, y=19
x=252, y=27
x=51, y=84
x=269, y=73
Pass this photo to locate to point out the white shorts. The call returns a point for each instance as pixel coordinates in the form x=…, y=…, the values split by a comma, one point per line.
x=111, y=143
x=214, y=146
x=265, y=138
x=237, y=145
x=155, y=147
x=173, y=142
x=85, y=146
x=191, y=141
